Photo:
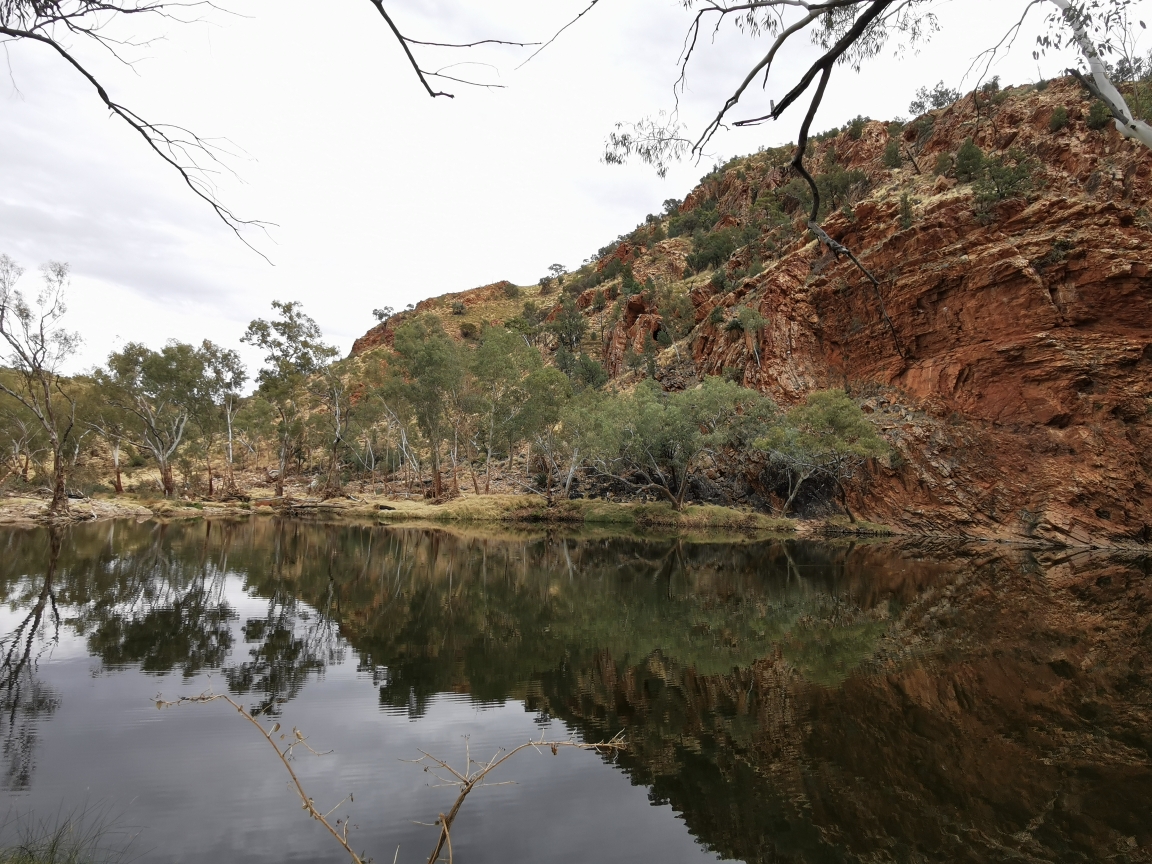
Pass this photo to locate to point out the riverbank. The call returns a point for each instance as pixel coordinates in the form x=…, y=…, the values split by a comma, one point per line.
x=506, y=510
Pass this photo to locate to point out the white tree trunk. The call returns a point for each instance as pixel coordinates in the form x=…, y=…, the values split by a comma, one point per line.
x=1129, y=126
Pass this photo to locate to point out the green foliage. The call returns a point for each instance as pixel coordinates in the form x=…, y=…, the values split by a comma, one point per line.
x=716, y=316
x=427, y=373
x=458, y=307
x=905, y=211
x=469, y=330
x=583, y=372
x=628, y=283
x=1058, y=120
x=510, y=291
x=570, y=325
x=895, y=129
x=719, y=280
x=928, y=100
x=855, y=127
x=703, y=217
x=828, y=435
x=648, y=353
x=969, y=161
x=654, y=441
x=892, y=154
x=712, y=249
x=839, y=187
x=1098, y=115
x=943, y=164
x=1003, y=178
x=677, y=314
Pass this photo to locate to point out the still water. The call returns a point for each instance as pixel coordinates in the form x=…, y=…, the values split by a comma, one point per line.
x=781, y=700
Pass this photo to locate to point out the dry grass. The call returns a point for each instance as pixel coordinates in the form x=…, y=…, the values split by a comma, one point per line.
x=530, y=510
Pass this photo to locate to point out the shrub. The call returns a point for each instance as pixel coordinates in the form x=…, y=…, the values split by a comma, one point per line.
x=1041, y=85
x=712, y=249
x=510, y=291
x=469, y=330
x=855, y=127
x=458, y=307
x=892, y=154
x=716, y=316
x=905, y=211
x=969, y=161
x=1006, y=178
x=943, y=164
x=719, y=280
x=1098, y=115
x=1058, y=120
x=895, y=129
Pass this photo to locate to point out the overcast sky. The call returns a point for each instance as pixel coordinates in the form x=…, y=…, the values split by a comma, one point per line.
x=379, y=194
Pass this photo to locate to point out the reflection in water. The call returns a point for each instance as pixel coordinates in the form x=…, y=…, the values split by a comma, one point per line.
x=24, y=700
x=794, y=701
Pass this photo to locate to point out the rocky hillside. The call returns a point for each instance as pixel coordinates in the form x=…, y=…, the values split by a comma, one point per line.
x=1007, y=356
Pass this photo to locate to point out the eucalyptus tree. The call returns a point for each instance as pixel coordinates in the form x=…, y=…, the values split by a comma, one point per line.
x=829, y=436
x=426, y=371
x=294, y=351
x=37, y=348
x=501, y=366
x=158, y=393
x=224, y=378
x=658, y=441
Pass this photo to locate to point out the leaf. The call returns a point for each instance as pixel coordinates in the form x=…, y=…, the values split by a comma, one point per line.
x=275, y=729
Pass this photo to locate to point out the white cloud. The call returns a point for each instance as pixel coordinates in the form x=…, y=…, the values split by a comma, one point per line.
x=380, y=194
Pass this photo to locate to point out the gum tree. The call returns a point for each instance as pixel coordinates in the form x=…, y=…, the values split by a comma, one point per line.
x=157, y=393
x=294, y=351
x=37, y=348
x=827, y=436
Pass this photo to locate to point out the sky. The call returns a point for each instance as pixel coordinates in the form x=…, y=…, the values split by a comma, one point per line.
x=378, y=195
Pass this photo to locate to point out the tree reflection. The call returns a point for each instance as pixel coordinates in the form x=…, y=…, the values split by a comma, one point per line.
x=24, y=699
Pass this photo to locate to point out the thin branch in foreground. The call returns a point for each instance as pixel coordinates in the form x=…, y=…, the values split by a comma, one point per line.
x=556, y=35
x=473, y=774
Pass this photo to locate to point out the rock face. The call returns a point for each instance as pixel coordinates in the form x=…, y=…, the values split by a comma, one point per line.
x=1014, y=380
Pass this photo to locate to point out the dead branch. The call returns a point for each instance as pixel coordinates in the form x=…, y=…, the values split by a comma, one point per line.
x=473, y=775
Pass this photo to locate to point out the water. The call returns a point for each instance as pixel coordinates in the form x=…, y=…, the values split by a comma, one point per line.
x=781, y=701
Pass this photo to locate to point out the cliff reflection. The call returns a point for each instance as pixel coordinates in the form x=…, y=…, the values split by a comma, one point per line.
x=794, y=701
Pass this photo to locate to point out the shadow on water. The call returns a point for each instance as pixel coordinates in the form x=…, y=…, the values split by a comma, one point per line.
x=794, y=701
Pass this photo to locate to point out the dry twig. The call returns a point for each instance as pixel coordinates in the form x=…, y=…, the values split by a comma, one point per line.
x=470, y=777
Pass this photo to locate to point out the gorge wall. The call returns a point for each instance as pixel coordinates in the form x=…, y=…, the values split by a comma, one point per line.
x=1015, y=380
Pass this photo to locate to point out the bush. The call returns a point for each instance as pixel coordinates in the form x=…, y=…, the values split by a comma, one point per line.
x=716, y=316
x=895, y=129
x=855, y=127
x=905, y=211
x=1098, y=115
x=458, y=307
x=1005, y=178
x=943, y=164
x=510, y=291
x=938, y=97
x=469, y=330
x=719, y=280
x=892, y=155
x=1058, y=120
x=712, y=249
x=969, y=161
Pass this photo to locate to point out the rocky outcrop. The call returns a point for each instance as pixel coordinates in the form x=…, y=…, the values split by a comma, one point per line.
x=1015, y=383
x=1012, y=371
